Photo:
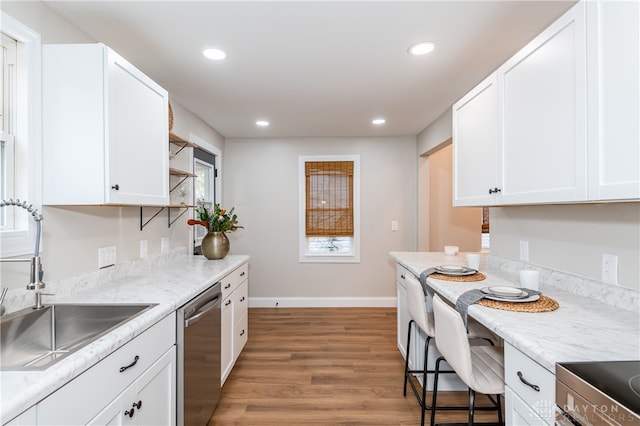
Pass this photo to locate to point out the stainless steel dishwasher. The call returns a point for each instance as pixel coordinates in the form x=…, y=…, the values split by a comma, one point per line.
x=198, y=369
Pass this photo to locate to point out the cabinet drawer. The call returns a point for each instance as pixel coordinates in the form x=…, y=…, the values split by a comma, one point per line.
x=228, y=285
x=240, y=302
x=401, y=274
x=542, y=400
x=242, y=335
x=79, y=400
x=232, y=281
x=242, y=273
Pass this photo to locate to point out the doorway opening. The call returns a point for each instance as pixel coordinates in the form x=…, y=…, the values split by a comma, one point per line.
x=205, y=188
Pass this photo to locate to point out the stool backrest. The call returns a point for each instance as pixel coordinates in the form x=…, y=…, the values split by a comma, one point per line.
x=419, y=309
x=452, y=340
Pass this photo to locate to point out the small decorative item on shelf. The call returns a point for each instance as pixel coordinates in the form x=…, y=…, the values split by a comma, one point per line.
x=215, y=245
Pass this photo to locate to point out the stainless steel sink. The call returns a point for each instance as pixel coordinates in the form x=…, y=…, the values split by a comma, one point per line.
x=36, y=339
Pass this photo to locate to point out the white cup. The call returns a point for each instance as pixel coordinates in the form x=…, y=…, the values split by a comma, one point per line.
x=529, y=279
x=451, y=250
x=473, y=261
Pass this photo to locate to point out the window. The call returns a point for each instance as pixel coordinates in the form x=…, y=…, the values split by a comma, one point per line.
x=8, y=61
x=329, y=208
x=20, y=118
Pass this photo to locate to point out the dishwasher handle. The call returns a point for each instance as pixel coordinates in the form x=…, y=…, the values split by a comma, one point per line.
x=202, y=311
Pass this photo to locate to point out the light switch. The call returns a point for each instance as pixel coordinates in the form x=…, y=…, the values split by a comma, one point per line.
x=609, y=268
x=106, y=256
x=394, y=225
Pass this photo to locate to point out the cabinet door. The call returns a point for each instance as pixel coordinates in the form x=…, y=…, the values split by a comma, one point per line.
x=156, y=393
x=138, y=136
x=517, y=412
x=614, y=100
x=543, y=98
x=116, y=414
x=241, y=335
x=475, y=145
x=402, y=319
x=226, y=337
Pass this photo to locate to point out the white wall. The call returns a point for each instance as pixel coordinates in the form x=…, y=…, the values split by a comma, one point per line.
x=572, y=238
x=261, y=181
x=72, y=235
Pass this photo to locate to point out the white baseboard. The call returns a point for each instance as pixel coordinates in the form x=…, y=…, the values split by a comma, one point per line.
x=322, y=302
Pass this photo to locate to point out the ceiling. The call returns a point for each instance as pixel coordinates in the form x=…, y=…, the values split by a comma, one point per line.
x=314, y=69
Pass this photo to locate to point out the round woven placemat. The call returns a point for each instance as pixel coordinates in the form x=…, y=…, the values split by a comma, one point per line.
x=478, y=276
x=544, y=304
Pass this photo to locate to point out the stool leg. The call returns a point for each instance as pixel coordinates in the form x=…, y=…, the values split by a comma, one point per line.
x=406, y=361
x=472, y=400
x=500, y=421
x=435, y=391
x=424, y=378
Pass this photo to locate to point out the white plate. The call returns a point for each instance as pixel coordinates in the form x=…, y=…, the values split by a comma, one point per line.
x=451, y=268
x=462, y=271
x=510, y=299
x=504, y=291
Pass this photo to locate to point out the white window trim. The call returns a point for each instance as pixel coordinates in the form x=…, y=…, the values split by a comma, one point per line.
x=28, y=149
x=303, y=256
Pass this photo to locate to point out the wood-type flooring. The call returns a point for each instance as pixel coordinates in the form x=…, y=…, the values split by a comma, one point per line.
x=324, y=366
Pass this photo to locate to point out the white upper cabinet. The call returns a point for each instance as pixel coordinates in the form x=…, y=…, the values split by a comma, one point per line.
x=567, y=113
x=543, y=116
x=105, y=129
x=475, y=153
x=614, y=100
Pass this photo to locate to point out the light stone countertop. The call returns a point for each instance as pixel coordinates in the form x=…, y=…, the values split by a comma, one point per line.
x=581, y=329
x=169, y=284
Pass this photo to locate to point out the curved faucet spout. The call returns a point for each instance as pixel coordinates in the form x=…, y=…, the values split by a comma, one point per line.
x=36, y=272
x=37, y=217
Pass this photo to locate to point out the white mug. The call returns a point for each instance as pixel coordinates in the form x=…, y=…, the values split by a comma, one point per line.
x=529, y=279
x=473, y=261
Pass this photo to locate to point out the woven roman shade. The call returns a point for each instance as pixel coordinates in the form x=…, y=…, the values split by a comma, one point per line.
x=329, y=198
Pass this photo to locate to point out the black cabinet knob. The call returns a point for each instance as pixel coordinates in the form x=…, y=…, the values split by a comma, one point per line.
x=116, y=187
x=494, y=190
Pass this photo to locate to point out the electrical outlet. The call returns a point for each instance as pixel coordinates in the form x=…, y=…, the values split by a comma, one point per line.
x=609, y=268
x=164, y=245
x=143, y=249
x=524, y=250
x=106, y=256
x=394, y=225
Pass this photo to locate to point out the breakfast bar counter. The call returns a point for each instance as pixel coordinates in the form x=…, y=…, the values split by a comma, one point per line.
x=581, y=329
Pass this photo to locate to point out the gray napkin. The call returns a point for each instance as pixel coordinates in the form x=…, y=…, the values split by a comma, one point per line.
x=470, y=297
x=423, y=278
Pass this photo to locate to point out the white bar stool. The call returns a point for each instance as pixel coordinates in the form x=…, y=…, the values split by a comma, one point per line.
x=481, y=368
x=421, y=314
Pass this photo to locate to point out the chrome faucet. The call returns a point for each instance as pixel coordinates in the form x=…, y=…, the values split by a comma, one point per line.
x=36, y=272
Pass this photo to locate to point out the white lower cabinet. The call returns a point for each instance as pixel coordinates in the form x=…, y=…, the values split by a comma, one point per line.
x=518, y=413
x=142, y=370
x=529, y=391
x=150, y=400
x=234, y=322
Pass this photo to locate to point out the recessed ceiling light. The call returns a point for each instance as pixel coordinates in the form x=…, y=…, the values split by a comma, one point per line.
x=215, y=54
x=421, y=48
x=262, y=123
x=378, y=121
